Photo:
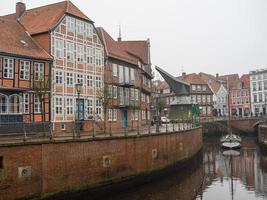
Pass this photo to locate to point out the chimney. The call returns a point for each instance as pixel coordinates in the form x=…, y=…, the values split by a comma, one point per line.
x=119, y=38
x=217, y=75
x=20, y=9
x=183, y=74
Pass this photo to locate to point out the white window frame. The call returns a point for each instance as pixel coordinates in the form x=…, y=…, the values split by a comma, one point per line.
x=59, y=48
x=115, y=92
x=114, y=69
x=70, y=51
x=90, y=108
x=58, y=77
x=98, y=81
x=37, y=104
x=69, y=78
x=26, y=107
x=80, y=27
x=24, y=70
x=88, y=30
x=90, y=81
x=8, y=68
x=38, y=71
x=98, y=107
x=80, y=53
x=90, y=55
x=58, y=105
x=79, y=78
x=70, y=21
x=69, y=106
x=98, y=57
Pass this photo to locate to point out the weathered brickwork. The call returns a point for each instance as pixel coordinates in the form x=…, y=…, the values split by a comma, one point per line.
x=75, y=165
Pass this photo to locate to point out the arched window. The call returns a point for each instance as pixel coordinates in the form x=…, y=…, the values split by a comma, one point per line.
x=15, y=104
x=3, y=104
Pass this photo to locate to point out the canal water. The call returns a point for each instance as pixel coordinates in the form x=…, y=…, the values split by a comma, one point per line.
x=217, y=175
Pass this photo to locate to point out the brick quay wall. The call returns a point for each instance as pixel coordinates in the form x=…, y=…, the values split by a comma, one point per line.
x=43, y=169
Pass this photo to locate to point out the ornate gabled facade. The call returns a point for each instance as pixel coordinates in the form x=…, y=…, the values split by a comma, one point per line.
x=71, y=38
x=128, y=77
x=24, y=76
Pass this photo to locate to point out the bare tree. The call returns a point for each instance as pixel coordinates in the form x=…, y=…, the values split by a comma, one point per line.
x=105, y=99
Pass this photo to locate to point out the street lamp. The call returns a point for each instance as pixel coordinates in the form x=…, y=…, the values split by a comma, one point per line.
x=78, y=88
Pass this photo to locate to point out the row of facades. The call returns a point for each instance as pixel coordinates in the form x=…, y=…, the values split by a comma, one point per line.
x=247, y=94
x=46, y=51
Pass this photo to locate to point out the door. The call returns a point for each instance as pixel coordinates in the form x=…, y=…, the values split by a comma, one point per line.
x=124, y=118
x=80, y=109
x=240, y=112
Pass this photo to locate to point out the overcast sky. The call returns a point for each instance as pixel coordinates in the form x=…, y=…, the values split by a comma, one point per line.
x=213, y=36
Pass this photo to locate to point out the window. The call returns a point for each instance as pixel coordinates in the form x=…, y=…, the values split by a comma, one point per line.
x=98, y=107
x=260, y=86
x=3, y=104
x=69, y=78
x=63, y=127
x=255, y=98
x=132, y=75
x=147, y=99
x=26, y=103
x=127, y=75
x=260, y=97
x=90, y=55
x=24, y=73
x=208, y=98
x=115, y=92
x=59, y=50
x=112, y=115
x=132, y=94
x=37, y=104
x=70, y=51
x=90, y=112
x=98, y=57
x=38, y=71
x=8, y=68
x=198, y=98
x=134, y=115
x=70, y=24
x=198, y=87
x=204, y=87
x=58, y=105
x=98, y=82
x=143, y=97
x=90, y=81
x=80, y=27
x=110, y=90
x=204, y=110
x=265, y=85
x=59, y=77
x=80, y=78
x=80, y=53
x=208, y=110
x=121, y=73
x=143, y=114
x=69, y=106
x=166, y=91
x=204, y=98
x=115, y=69
x=254, y=86
x=88, y=30
x=136, y=95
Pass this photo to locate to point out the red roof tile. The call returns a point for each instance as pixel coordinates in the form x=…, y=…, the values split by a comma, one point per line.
x=45, y=18
x=128, y=51
x=192, y=78
x=15, y=40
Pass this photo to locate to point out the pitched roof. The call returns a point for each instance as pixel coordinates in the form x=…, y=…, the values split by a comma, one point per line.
x=192, y=78
x=15, y=40
x=215, y=86
x=232, y=80
x=128, y=51
x=45, y=18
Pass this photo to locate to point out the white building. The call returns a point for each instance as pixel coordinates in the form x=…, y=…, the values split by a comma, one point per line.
x=220, y=99
x=258, y=91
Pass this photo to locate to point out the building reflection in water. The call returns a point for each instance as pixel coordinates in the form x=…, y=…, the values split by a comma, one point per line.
x=248, y=172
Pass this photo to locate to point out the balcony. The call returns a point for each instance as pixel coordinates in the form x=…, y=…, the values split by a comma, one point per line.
x=126, y=82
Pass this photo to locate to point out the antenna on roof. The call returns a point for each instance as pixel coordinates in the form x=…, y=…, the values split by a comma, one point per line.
x=119, y=38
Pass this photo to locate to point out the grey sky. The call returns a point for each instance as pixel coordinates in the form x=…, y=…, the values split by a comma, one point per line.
x=224, y=36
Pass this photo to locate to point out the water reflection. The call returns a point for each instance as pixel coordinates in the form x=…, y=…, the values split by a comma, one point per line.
x=234, y=177
x=210, y=176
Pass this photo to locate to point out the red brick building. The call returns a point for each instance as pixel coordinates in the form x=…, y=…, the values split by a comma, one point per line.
x=24, y=75
x=78, y=58
x=128, y=77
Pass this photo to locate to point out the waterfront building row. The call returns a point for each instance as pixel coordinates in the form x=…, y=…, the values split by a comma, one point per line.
x=58, y=67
